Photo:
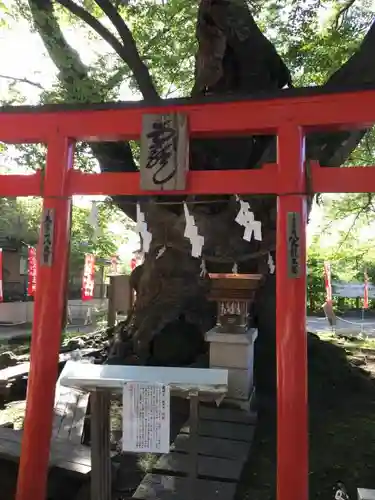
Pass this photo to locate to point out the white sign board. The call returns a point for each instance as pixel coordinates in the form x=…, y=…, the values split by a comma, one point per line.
x=352, y=290
x=146, y=417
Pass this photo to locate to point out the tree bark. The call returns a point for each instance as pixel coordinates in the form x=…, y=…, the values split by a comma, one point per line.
x=234, y=57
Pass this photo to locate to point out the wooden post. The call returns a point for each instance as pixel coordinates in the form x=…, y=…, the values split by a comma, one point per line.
x=192, y=493
x=53, y=257
x=120, y=297
x=291, y=339
x=111, y=318
x=101, y=481
x=164, y=152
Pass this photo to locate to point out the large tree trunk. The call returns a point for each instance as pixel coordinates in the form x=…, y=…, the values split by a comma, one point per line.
x=234, y=57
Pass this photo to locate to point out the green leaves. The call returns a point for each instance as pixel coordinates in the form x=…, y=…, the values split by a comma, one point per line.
x=102, y=242
x=20, y=220
x=345, y=236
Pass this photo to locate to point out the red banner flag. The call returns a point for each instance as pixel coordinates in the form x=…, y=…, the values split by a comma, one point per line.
x=31, y=259
x=1, y=276
x=327, y=280
x=88, y=281
x=365, y=293
x=133, y=263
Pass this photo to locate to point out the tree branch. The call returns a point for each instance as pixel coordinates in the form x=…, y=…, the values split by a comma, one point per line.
x=334, y=149
x=23, y=80
x=73, y=74
x=128, y=53
x=341, y=12
x=360, y=212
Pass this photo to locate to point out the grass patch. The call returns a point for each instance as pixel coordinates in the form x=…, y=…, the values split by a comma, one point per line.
x=354, y=343
x=14, y=412
x=341, y=419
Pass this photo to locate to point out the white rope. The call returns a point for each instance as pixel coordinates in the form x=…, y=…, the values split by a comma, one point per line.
x=354, y=322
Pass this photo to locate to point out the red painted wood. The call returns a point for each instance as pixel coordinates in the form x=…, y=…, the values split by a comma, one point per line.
x=343, y=180
x=262, y=181
x=291, y=346
x=285, y=116
x=46, y=334
x=333, y=111
x=21, y=185
x=268, y=180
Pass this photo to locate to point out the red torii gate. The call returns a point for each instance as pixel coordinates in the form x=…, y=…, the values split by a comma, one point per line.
x=289, y=116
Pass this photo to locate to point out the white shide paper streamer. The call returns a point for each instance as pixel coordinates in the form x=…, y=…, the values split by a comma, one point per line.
x=142, y=229
x=245, y=218
x=191, y=232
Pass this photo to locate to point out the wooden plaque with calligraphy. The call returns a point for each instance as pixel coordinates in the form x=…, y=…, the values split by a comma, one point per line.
x=164, y=152
x=48, y=226
x=294, y=244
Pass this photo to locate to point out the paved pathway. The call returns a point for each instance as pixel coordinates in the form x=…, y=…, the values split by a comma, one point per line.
x=349, y=326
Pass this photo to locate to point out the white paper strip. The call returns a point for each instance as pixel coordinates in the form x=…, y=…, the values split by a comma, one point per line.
x=245, y=218
x=161, y=252
x=203, y=269
x=271, y=264
x=146, y=417
x=142, y=230
x=191, y=232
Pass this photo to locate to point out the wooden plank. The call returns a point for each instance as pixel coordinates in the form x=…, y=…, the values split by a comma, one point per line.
x=213, y=447
x=223, y=430
x=121, y=292
x=164, y=152
x=157, y=487
x=78, y=453
x=101, y=482
x=208, y=467
x=65, y=399
x=64, y=455
x=69, y=414
x=227, y=415
x=76, y=429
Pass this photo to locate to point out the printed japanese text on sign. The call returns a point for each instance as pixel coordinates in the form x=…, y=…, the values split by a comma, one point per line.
x=146, y=417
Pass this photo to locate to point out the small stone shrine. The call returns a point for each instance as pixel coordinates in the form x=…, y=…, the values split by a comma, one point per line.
x=232, y=339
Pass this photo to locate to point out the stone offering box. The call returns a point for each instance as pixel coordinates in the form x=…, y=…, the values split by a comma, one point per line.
x=232, y=340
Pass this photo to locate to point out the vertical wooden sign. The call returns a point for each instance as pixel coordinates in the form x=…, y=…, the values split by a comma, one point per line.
x=48, y=227
x=294, y=244
x=164, y=152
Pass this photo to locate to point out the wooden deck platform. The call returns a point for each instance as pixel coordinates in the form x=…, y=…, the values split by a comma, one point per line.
x=67, y=452
x=224, y=442
x=74, y=458
x=69, y=414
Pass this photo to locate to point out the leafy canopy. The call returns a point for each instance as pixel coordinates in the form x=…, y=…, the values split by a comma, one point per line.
x=315, y=37
x=20, y=222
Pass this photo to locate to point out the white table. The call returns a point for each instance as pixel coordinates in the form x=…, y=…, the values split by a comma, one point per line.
x=104, y=380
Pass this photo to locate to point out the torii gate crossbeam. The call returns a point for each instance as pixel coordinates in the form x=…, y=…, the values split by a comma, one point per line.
x=289, y=115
